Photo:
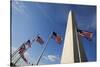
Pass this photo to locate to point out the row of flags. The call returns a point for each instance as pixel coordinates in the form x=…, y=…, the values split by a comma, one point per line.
x=54, y=36
x=27, y=45
x=39, y=40
x=23, y=48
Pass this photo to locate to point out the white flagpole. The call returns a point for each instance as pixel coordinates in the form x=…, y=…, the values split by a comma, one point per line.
x=44, y=49
x=21, y=45
x=25, y=50
x=20, y=56
x=15, y=51
x=17, y=60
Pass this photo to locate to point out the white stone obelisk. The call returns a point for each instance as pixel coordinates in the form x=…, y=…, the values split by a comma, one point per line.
x=68, y=53
x=73, y=50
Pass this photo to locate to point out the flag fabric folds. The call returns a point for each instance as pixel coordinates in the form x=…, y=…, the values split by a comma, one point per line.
x=85, y=34
x=57, y=37
x=23, y=57
x=28, y=44
x=22, y=49
x=39, y=40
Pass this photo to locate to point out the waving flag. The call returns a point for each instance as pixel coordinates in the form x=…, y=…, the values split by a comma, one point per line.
x=22, y=49
x=57, y=37
x=85, y=34
x=39, y=40
x=23, y=57
x=28, y=43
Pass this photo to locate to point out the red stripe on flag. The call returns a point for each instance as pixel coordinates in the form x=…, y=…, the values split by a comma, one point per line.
x=23, y=57
x=86, y=34
x=22, y=49
x=57, y=37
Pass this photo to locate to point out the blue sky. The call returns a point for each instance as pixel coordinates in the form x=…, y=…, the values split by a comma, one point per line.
x=32, y=18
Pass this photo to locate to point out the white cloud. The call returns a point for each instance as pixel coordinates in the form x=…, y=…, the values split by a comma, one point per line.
x=20, y=7
x=13, y=49
x=51, y=58
x=93, y=24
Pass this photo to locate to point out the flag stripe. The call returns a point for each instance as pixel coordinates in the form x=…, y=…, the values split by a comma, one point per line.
x=85, y=34
x=39, y=40
x=56, y=37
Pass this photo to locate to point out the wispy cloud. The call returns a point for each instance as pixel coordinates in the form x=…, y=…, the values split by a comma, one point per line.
x=19, y=7
x=93, y=24
x=51, y=58
x=90, y=25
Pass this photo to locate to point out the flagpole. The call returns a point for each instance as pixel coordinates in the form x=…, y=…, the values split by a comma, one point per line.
x=17, y=60
x=20, y=56
x=25, y=50
x=44, y=49
x=20, y=46
x=14, y=56
x=15, y=51
x=14, y=59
